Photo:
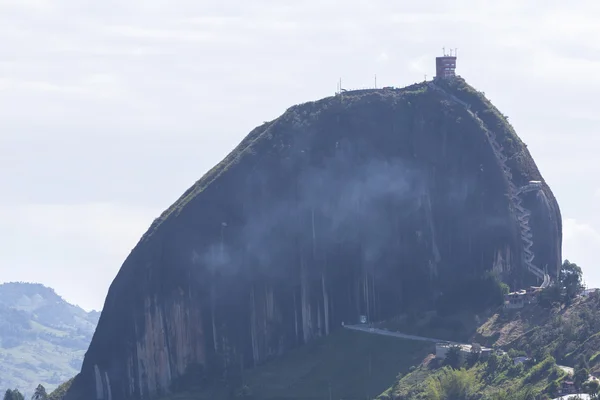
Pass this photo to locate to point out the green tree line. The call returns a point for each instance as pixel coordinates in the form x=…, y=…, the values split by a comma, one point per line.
x=14, y=394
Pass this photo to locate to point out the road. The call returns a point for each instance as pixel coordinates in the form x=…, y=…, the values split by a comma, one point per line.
x=384, y=332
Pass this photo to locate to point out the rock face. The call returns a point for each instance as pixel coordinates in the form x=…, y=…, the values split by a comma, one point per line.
x=368, y=203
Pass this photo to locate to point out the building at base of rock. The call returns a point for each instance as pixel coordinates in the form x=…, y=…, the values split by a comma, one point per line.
x=441, y=350
x=519, y=299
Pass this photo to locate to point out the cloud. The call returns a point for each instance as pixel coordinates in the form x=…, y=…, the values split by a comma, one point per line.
x=75, y=248
x=383, y=57
x=581, y=242
x=112, y=109
x=158, y=34
x=107, y=225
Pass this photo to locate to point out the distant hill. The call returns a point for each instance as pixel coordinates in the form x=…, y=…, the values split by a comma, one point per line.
x=42, y=337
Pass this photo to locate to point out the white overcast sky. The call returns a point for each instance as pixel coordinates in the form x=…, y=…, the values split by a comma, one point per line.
x=110, y=109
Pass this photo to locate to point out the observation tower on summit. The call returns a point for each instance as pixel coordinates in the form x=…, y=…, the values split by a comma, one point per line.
x=445, y=66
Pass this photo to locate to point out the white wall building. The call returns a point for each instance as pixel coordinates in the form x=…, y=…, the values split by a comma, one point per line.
x=441, y=349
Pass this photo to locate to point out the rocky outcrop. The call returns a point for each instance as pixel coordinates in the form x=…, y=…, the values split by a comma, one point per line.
x=366, y=203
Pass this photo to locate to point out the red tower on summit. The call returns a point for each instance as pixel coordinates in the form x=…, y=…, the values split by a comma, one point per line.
x=445, y=66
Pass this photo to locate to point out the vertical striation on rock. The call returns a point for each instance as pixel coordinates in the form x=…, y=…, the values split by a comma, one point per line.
x=367, y=203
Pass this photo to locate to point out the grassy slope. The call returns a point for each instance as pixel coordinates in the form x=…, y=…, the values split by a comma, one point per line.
x=485, y=384
x=355, y=365
x=569, y=334
x=61, y=390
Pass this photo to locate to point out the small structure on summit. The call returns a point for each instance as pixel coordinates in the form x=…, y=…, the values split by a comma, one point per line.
x=445, y=66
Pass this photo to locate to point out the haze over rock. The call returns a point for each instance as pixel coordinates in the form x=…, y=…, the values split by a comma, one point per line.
x=364, y=203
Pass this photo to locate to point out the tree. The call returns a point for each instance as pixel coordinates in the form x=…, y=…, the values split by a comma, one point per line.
x=492, y=363
x=551, y=295
x=474, y=356
x=581, y=375
x=592, y=388
x=40, y=393
x=569, y=285
x=500, y=395
x=451, y=384
x=553, y=388
x=528, y=393
x=540, y=354
x=453, y=357
x=570, y=278
x=13, y=395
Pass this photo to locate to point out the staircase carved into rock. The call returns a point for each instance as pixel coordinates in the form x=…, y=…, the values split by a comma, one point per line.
x=514, y=193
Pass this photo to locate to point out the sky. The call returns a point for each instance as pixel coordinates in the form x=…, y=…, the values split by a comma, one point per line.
x=110, y=110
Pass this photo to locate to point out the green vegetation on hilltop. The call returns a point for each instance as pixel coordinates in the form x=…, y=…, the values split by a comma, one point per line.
x=571, y=334
x=486, y=111
x=61, y=390
x=514, y=148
